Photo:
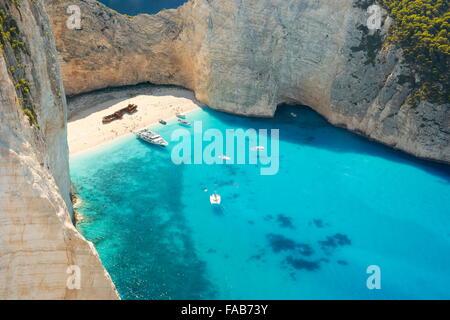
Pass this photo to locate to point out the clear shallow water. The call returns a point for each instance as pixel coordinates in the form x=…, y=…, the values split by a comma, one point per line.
x=134, y=7
x=339, y=204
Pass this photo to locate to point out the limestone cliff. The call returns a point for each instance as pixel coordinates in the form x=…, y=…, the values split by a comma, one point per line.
x=247, y=57
x=38, y=241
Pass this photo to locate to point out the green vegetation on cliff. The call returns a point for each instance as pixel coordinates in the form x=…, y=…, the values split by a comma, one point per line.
x=13, y=49
x=422, y=29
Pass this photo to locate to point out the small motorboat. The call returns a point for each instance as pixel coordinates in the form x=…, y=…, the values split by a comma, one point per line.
x=162, y=122
x=293, y=114
x=181, y=116
x=258, y=148
x=215, y=198
x=224, y=158
x=152, y=137
x=187, y=123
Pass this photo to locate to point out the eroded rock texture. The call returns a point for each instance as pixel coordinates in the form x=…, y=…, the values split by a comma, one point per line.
x=247, y=57
x=38, y=241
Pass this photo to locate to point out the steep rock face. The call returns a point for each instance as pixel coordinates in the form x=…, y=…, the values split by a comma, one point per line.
x=38, y=241
x=246, y=57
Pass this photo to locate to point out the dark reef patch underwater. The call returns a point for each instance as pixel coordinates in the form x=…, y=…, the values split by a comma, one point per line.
x=338, y=204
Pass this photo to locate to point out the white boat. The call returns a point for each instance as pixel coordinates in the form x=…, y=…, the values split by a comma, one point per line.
x=258, y=148
x=293, y=114
x=151, y=137
x=181, y=116
x=224, y=158
x=186, y=123
x=215, y=198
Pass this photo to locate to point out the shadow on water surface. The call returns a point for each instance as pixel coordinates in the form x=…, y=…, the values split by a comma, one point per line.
x=143, y=234
x=133, y=7
x=151, y=255
x=303, y=131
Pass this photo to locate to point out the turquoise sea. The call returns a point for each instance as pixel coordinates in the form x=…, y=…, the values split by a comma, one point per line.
x=134, y=7
x=339, y=204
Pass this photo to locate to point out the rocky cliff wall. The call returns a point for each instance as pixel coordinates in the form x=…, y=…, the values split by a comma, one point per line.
x=247, y=57
x=38, y=242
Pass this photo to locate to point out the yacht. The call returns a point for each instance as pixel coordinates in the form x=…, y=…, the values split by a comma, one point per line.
x=151, y=137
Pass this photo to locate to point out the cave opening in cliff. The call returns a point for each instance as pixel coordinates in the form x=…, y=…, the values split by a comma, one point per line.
x=313, y=130
x=135, y=7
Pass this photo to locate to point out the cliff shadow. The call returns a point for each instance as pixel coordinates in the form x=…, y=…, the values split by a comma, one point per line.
x=82, y=105
x=142, y=6
x=145, y=243
x=303, y=126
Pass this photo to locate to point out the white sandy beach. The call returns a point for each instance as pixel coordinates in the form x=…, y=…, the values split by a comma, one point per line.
x=85, y=127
